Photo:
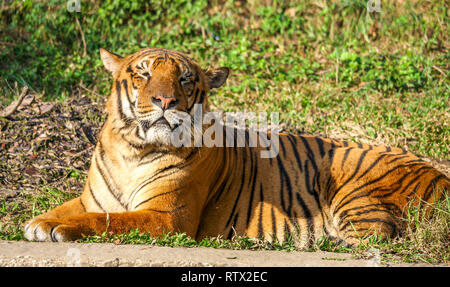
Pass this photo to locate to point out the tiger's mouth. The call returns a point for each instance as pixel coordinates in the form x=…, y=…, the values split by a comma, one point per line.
x=158, y=127
x=161, y=121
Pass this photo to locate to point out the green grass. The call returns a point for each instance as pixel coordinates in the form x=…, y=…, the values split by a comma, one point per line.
x=329, y=67
x=14, y=214
x=319, y=63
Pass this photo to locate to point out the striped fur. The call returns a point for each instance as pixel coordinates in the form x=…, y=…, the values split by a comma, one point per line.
x=314, y=187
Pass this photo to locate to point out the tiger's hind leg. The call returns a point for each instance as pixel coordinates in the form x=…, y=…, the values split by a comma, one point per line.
x=356, y=224
x=367, y=191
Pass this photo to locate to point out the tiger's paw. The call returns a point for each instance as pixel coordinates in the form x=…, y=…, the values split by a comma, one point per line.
x=51, y=230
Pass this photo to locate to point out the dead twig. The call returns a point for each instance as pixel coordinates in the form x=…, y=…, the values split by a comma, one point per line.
x=13, y=107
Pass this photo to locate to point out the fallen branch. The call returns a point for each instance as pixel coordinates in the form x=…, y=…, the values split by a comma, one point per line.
x=13, y=107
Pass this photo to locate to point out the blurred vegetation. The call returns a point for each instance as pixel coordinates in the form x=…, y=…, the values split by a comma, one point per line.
x=329, y=67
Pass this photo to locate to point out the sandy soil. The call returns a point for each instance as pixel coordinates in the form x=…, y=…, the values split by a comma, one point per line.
x=22, y=253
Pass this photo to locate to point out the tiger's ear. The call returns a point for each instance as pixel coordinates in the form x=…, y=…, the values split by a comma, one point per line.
x=111, y=61
x=217, y=77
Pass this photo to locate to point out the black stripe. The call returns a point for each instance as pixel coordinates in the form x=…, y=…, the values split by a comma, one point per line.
x=391, y=206
x=191, y=154
x=397, y=158
x=261, y=199
x=157, y=175
x=307, y=213
x=261, y=192
x=341, y=203
x=345, y=157
x=394, y=154
x=371, y=166
x=194, y=100
x=416, y=178
x=155, y=157
x=319, y=142
x=371, y=220
x=308, y=148
x=91, y=191
x=414, y=191
x=155, y=196
x=254, y=167
x=282, y=147
x=166, y=211
x=110, y=188
x=274, y=224
x=284, y=178
x=226, y=181
x=431, y=186
x=133, y=145
x=119, y=101
x=202, y=96
x=239, y=190
x=233, y=226
x=372, y=210
x=82, y=204
x=414, y=161
x=310, y=155
x=125, y=87
x=331, y=153
x=307, y=181
x=398, y=182
x=293, y=142
x=107, y=178
x=358, y=166
x=260, y=227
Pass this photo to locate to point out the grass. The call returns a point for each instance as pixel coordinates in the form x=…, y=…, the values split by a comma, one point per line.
x=329, y=67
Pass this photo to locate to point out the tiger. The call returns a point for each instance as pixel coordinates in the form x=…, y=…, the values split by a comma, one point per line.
x=139, y=180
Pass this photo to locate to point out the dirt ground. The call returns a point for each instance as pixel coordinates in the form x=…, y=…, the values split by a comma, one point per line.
x=44, y=254
x=47, y=146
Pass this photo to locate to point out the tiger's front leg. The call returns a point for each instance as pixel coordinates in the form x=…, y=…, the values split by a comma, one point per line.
x=70, y=221
x=75, y=227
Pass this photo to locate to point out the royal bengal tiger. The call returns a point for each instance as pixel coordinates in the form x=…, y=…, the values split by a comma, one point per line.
x=138, y=180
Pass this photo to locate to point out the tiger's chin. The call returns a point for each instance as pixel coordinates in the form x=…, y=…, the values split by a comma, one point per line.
x=159, y=135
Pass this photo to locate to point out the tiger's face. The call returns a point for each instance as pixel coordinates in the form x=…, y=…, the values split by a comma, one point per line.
x=154, y=90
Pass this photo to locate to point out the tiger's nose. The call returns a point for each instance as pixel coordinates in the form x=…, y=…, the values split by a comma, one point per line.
x=164, y=103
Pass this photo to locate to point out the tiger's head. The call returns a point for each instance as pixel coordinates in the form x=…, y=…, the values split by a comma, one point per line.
x=153, y=90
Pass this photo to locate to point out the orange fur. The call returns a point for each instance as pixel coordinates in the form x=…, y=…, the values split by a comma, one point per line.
x=314, y=187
